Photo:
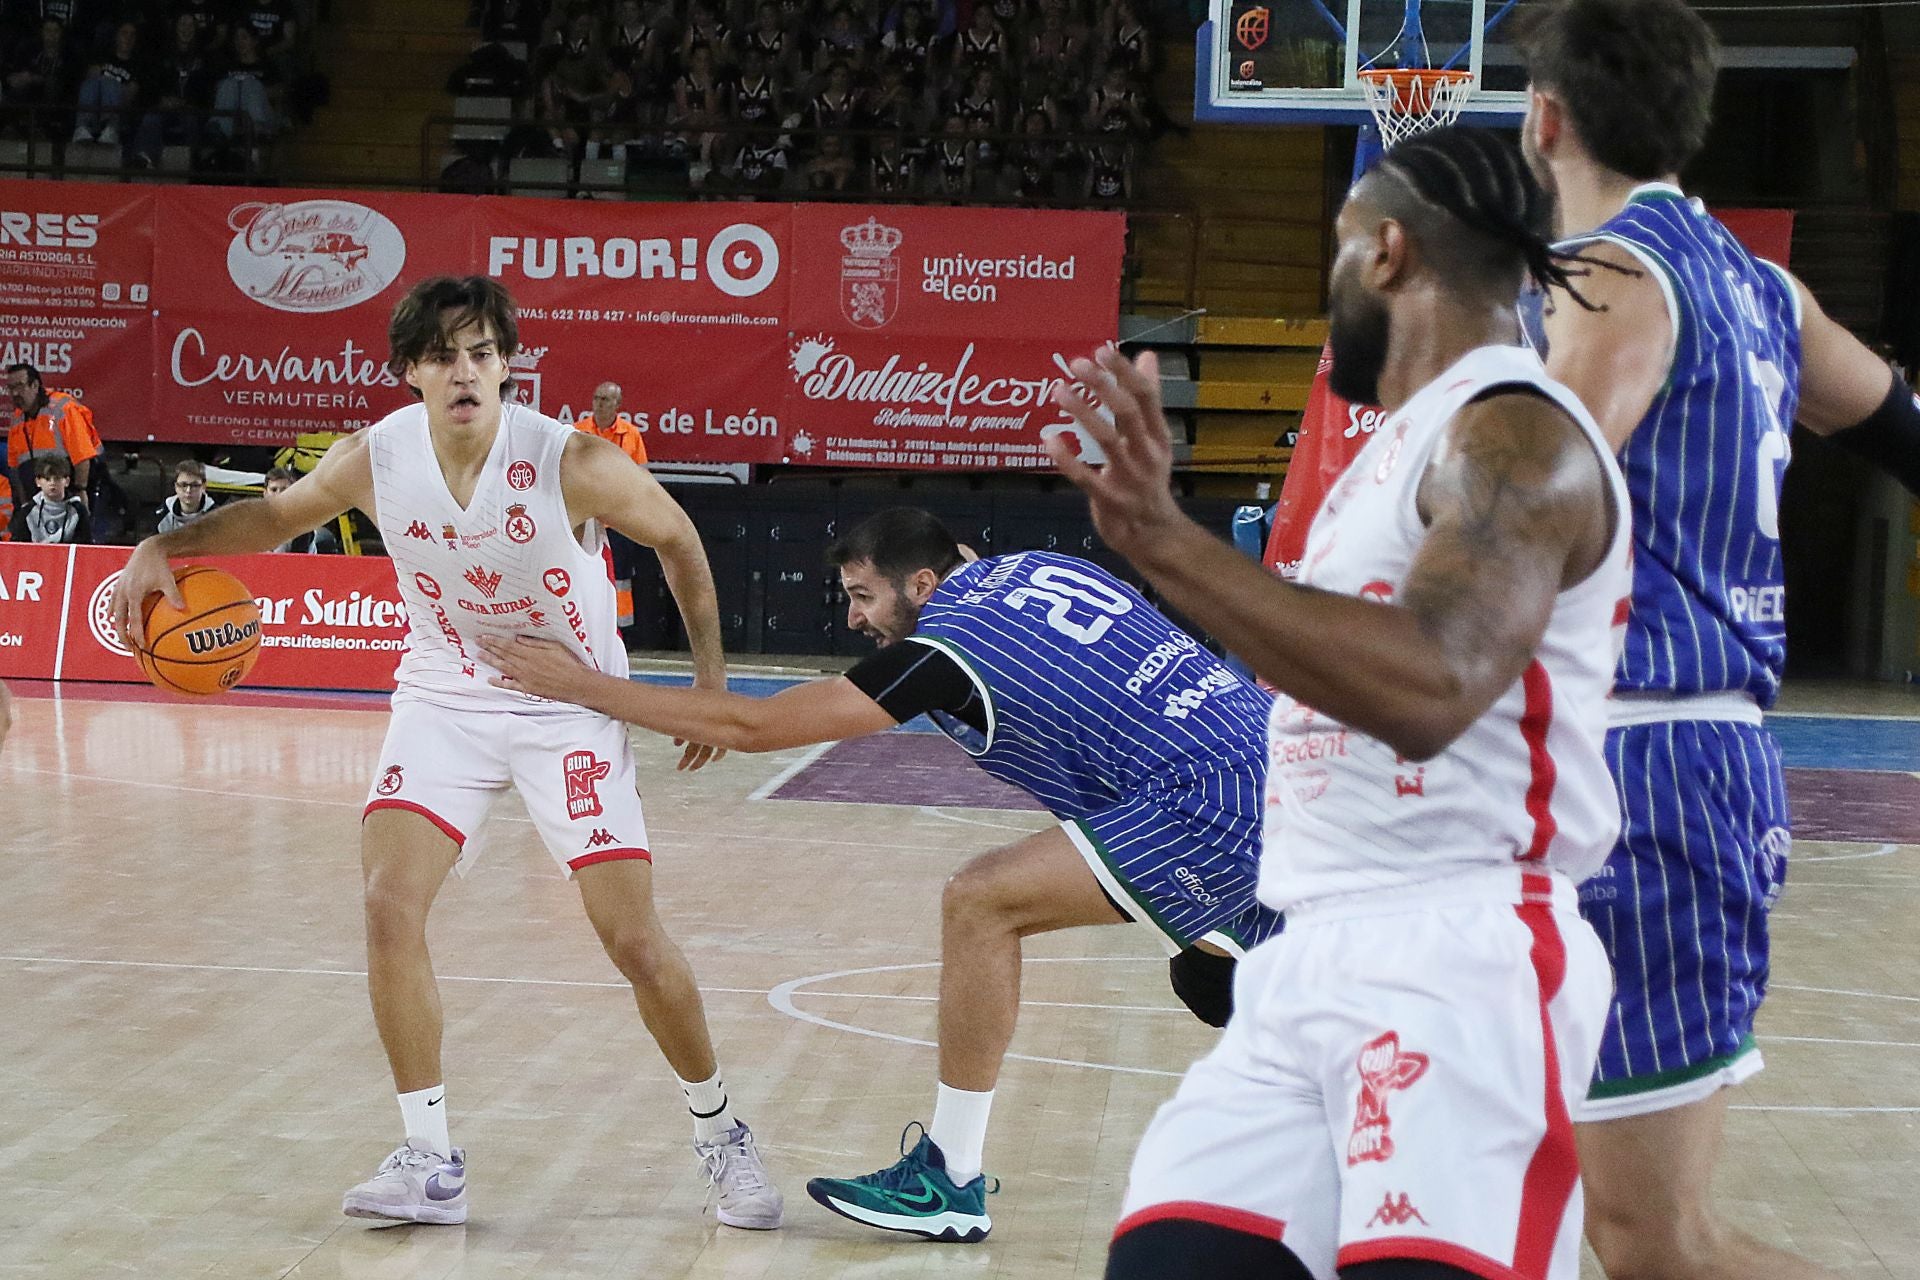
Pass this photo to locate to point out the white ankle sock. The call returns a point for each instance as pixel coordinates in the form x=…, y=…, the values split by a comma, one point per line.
x=960, y=1131
x=707, y=1100
x=425, y=1114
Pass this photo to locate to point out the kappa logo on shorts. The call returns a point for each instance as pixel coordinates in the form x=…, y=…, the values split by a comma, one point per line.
x=1396, y=1213
x=1383, y=1068
x=521, y=475
x=600, y=838
x=418, y=529
x=520, y=526
x=584, y=772
x=390, y=780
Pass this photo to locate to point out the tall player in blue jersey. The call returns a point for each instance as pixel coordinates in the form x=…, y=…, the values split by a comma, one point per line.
x=1062, y=680
x=1697, y=359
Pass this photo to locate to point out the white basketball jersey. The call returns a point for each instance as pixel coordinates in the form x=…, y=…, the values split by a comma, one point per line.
x=507, y=564
x=1526, y=783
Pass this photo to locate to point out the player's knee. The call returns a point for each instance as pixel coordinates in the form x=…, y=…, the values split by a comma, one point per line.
x=973, y=897
x=1635, y=1244
x=640, y=952
x=1204, y=983
x=396, y=912
x=1180, y=1249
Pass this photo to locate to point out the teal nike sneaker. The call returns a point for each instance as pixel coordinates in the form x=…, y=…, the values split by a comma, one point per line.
x=914, y=1197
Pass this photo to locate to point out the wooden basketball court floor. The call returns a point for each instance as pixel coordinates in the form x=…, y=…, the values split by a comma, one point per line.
x=191, y=1076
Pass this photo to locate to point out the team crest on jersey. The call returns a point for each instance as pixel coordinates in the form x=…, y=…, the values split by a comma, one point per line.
x=428, y=587
x=521, y=475
x=1383, y=1068
x=418, y=529
x=488, y=584
x=1388, y=463
x=520, y=526
x=452, y=536
x=558, y=582
x=584, y=773
x=389, y=781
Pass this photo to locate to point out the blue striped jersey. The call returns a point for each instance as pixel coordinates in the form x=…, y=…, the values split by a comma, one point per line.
x=1704, y=467
x=1091, y=695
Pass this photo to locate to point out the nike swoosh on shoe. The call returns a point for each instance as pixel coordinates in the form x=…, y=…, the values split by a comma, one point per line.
x=437, y=1190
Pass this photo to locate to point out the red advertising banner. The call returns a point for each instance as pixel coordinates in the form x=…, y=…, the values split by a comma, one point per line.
x=76, y=292
x=834, y=335
x=327, y=622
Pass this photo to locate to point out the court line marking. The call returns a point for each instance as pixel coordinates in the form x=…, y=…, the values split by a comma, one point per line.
x=1838, y=991
x=935, y=811
x=1879, y=852
x=781, y=998
x=780, y=779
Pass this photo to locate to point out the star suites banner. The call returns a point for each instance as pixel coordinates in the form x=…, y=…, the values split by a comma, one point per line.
x=837, y=335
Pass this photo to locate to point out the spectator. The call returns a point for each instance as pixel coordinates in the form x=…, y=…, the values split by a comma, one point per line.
x=1132, y=46
x=576, y=78
x=1038, y=95
x=1053, y=48
x=842, y=43
x=491, y=70
x=832, y=167
x=837, y=106
x=705, y=32
x=52, y=516
x=1034, y=168
x=1114, y=105
x=607, y=422
x=47, y=424
x=979, y=103
x=893, y=104
x=893, y=169
x=911, y=46
x=771, y=42
x=761, y=164
x=320, y=542
x=42, y=74
x=275, y=29
x=951, y=164
x=181, y=84
x=636, y=45
x=982, y=44
x=620, y=118
x=110, y=89
x=209, y=19
x=700, y=105
x=757, y=96
x=249, y=88
x=190, y=498
x=1109, y=175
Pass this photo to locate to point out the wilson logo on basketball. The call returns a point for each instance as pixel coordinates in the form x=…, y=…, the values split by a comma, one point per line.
x=418, y=529
x=583, y=772
x=389, y=781
x=520, y=527
x=1383, y=1069
x=488, y=584
x=1251, y=27
x=312, y=255
x=521, y=476
x=557, y=581
x=226, y=635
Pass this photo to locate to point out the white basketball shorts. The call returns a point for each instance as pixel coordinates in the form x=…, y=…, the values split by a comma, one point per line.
x=1396, y=1082
x=574, y=770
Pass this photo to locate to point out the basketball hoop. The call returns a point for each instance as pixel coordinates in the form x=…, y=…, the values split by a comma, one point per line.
x=1410, y=100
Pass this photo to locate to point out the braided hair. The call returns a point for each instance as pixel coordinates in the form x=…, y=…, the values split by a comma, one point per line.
x=1480, y=182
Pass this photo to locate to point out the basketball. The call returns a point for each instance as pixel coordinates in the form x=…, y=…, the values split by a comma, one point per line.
x=207, y=647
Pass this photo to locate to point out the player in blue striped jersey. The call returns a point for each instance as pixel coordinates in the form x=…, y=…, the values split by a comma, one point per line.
x=1697, y=359
x=1062, y=680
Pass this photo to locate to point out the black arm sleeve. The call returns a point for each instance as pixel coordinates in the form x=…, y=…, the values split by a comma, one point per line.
x=1890, y=437
x=909, y=679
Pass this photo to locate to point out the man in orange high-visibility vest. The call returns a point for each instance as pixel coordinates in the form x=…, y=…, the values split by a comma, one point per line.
x=607, y=422
x=47, y=424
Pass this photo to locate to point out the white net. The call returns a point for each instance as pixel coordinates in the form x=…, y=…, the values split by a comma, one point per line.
x=1407, y=103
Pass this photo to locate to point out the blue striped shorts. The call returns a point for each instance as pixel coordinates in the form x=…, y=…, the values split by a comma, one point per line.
x=1681, y=907
x=1184, y=864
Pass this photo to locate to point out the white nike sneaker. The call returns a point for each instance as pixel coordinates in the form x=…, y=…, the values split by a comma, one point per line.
x=748, y=1197
x=414, y=1185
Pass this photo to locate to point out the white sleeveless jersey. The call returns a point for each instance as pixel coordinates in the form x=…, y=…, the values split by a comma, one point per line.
x=1526, y=783
x=506, y=565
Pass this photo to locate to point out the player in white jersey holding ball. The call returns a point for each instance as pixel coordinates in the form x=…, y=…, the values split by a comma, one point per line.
x=1392, y=1096
x=495, y=518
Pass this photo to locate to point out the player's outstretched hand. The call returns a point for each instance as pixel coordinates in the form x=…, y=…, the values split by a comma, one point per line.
x=146, y=573
x=544, y=668
x=1130, y=495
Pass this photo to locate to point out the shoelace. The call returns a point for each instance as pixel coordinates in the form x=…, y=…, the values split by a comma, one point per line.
x=407, y=1158
x=742, y=1174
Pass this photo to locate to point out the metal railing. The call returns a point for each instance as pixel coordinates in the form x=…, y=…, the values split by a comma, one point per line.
x=36, y=140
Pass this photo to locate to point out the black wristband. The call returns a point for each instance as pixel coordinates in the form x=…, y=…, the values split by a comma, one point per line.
x=1890, y=436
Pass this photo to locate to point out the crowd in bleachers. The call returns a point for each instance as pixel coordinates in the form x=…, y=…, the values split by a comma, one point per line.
x=1041, y=100
x=134, y=81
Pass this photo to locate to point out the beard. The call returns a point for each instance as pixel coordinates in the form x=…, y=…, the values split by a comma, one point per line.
x=1357, y=331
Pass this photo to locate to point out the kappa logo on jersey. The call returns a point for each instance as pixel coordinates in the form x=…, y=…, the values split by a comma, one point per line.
x=390, y=780
x=600, y=838
x=521, y=475
x=557, y=581
x=488, y=584
x=1396, y=1213
x=584, y=772
x=428, y=587
x=1383, y=1069
x=418, y=529
x=519, y=524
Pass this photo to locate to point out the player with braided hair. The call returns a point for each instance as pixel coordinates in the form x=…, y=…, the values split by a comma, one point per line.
x=1391, y=1097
